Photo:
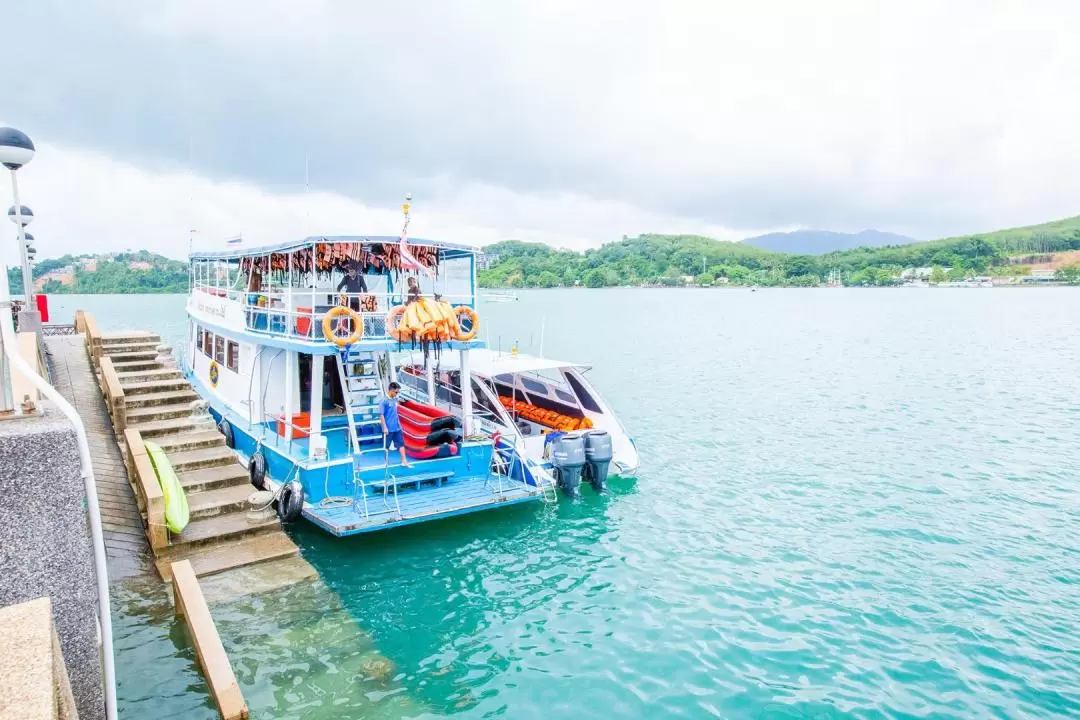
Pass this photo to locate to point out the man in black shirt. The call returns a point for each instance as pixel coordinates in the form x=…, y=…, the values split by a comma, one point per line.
x=353, y=283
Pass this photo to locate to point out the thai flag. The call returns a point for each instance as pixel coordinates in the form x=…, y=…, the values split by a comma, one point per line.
x=409, y=262
x=234, y=241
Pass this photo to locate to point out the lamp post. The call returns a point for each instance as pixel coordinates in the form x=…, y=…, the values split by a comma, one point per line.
x=17, y=149
x=23, y=216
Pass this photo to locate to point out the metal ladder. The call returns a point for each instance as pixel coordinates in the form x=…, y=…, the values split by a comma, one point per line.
x=503, y=462
x=361, y=390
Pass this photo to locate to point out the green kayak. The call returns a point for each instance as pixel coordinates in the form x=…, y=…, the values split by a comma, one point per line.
x=176, y=507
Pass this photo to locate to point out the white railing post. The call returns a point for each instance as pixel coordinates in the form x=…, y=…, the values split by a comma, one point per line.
x=466, y=393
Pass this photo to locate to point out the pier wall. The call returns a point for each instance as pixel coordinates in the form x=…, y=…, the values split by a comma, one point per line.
x=45, y=547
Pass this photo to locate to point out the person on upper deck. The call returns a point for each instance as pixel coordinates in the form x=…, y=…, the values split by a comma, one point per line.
x=354, y=284
x=414, y=291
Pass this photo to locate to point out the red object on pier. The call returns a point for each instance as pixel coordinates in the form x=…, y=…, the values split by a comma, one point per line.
x=43, y=306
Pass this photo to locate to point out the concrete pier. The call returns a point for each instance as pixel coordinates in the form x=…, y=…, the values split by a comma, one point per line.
x=45, y=548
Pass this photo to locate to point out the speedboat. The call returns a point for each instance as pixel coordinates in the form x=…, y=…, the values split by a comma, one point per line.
x=499, y=297
x=531, y=402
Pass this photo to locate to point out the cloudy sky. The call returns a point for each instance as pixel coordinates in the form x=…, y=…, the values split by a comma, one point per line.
x=567, y=122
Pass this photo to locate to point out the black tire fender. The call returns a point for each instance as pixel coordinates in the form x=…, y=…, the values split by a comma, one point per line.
x=291, y=502
x=226, y=429
x=257, y=471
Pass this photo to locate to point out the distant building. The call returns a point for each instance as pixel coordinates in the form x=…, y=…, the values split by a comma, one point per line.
x=64, y=276
x=88, y=264
x=139, y=265
x=486, y=260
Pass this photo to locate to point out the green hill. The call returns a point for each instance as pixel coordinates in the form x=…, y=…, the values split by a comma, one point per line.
x=127, y=272
x=669, y=259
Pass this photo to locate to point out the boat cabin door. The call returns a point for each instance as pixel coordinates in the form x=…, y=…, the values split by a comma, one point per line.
x=332, y=396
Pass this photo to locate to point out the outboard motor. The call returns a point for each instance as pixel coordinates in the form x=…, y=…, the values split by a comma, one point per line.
x=598, y=454
x=568, y=458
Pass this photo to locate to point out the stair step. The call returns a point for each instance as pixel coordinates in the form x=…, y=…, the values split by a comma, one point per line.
x=125, y=357
x=206, y=478
x=157, y=427
x=133, y=365
x=129, y=348
x=168, y=397
x=219, y=527
x=211, y=457
x=228, y=555
x=192, y=440
x=150, y=413
x=242, y=583
x=124, y=337
x=231, y=498
x=149, y=386
x=155, y=373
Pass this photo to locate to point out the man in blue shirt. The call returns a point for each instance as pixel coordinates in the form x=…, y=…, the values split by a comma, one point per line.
x=391, y=423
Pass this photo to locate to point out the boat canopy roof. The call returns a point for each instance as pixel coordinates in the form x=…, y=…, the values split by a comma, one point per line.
x=490, y=363
x=451, y=250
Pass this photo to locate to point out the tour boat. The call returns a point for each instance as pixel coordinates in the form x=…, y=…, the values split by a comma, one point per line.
x=530, y=401
x=293, y=369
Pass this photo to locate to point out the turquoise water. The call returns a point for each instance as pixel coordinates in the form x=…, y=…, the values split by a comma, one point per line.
x=852, y=503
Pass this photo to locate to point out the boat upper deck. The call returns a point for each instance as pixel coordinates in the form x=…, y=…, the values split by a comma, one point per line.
x=291, y=293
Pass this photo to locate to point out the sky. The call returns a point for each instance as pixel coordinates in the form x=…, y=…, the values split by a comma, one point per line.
x=570, y=123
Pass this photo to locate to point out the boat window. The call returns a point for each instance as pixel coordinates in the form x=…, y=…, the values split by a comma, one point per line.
x=219, y=349
x=199, y=332
x=563, y=395
x=414, y=381
x=208, y=344
x=483, y=401
x=534, y=386
x=233, y=357
x=586, y=399
x=455, y=279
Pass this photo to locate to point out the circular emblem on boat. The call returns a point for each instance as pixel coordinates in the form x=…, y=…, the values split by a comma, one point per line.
x=215, y=373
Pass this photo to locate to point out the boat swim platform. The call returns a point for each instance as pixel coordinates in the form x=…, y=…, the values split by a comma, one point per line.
x=127, y=389
x=451, y=498
x=428, y=490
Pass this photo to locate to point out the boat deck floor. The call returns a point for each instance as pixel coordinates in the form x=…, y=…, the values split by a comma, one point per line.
x=456, y=496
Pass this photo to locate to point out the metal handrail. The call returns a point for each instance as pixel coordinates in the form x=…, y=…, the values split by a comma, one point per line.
x=7, y=331
x=282, y=310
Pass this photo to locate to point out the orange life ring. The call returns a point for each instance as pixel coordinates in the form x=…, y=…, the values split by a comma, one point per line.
x=328, y=326
x=460, y=334
x=393, y=321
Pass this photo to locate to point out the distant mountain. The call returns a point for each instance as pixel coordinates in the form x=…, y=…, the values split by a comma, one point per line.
x=819, y=242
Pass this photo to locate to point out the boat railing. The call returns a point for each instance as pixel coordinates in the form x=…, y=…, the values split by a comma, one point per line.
x=299, y=313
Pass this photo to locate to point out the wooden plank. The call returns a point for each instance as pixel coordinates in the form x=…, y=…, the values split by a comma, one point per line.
x=114, y=395
x=93, y=337
x=191, y=605
x=148, y=491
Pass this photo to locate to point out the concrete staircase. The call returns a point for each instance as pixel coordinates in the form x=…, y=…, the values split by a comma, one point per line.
x=158, y=404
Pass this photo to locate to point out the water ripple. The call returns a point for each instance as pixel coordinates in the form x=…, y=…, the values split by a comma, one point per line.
x=853, y=504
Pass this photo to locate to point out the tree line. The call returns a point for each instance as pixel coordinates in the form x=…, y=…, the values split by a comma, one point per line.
x=654, y=259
